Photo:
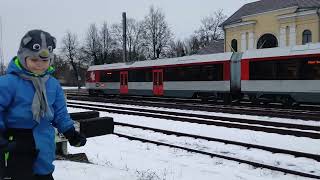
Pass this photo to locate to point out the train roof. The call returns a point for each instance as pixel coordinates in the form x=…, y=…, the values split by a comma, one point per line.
x=168, y=61
x=250, y=54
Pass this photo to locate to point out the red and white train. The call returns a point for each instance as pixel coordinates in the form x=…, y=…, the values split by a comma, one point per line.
x=286, y=75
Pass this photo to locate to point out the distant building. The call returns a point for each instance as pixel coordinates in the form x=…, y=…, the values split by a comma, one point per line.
x=216, y=46
x=273, y=23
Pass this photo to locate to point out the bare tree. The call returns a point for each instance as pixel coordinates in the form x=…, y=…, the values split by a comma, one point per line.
x=134, y=38
x=157, y=34
x=106, y=41
x=2, y=69
x=70, y=49
x=210, y=30
x=177, y=49
x=192, y=45
x=92, y=47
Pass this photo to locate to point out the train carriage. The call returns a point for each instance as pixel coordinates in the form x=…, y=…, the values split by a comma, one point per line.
x=187, y=76
x=285, y=75
x=288, y=75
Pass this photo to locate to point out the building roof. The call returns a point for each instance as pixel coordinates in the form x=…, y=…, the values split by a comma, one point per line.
x=269, y=5
x=215, y=47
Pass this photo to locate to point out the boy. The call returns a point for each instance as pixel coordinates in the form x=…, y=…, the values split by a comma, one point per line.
x=31, y=104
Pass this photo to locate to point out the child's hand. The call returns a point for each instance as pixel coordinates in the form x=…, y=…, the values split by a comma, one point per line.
x=75, y=138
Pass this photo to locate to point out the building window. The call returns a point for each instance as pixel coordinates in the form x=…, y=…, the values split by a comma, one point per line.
x=267, y=41
x=234, y=45
x=306, y=37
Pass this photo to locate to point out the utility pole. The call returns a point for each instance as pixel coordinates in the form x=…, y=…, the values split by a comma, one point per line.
x=124, y=36
x=1, y=51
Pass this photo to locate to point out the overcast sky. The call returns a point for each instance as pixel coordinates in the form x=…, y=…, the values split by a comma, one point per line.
x=58, y=16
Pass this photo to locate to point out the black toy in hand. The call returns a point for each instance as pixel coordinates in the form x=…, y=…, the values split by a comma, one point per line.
x=75, y=138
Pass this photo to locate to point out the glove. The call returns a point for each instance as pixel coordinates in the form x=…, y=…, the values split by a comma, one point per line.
x=75, y=138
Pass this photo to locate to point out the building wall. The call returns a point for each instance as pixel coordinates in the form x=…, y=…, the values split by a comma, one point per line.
x=288, y=31
x=308, y=22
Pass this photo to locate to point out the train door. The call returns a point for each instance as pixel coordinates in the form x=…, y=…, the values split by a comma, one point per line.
x=124, y=82
x=158, y=82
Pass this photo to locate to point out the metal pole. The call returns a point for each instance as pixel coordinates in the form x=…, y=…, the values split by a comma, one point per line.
x=1, y=50
x=124, y=36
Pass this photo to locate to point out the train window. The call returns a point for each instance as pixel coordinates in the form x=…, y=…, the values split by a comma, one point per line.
x=121, y=80
x=148, y=75
x=288, y=70
x=310, y=69
x=206, y=73
x=140, y=75
x=218, y=72
x=181, y=74
x=133, y=76
x=189, y=73
x=155, y=78
x=274, y=70
x=160, y=78
x=170, y=74
x=262, y=70
x=125, y=79
x=212, y=73
x=103, y=76
x=195, y=73
x=109, y=76
x=292, y=69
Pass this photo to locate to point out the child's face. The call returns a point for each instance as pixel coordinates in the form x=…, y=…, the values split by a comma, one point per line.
x=37, y=66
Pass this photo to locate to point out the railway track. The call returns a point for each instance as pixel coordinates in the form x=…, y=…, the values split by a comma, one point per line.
x=310, y=114
x=244, y=103
x=254, y=164
x=256, y=125
x=247, y=145
x=309, y=174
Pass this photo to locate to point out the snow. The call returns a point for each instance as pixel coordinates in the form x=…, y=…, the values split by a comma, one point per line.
x=301, y=144
x=69, y=87
x=72, y=87
x=264, y=157
x=66, y=170
x=141, y=161
x=116, y=158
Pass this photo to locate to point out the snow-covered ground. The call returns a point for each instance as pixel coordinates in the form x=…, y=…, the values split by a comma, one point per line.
x=118, y=158
x=247, y=136
x=69, y=87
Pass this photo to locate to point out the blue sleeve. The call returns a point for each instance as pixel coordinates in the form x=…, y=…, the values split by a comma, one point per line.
x=6, y=96
x=62, y=120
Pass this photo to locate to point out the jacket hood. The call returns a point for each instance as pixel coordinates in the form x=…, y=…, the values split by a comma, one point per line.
x=15, y=67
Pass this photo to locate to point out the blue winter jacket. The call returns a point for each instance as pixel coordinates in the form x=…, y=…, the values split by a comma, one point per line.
x=16, y=96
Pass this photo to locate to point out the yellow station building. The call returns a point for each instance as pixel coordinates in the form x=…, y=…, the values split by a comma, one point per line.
x=272, y=23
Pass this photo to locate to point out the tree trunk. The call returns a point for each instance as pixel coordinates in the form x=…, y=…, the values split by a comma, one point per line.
x=76, y=73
